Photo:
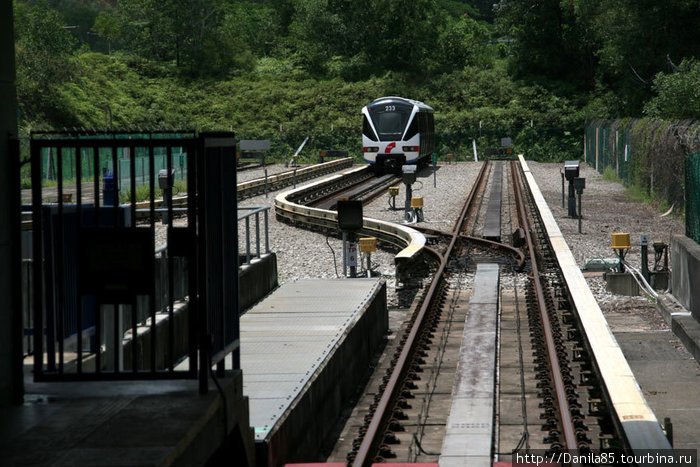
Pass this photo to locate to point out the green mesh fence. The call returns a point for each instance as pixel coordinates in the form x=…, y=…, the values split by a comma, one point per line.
x=651, y=155
x=69, y=164
x=609, y=144
x=692, y=196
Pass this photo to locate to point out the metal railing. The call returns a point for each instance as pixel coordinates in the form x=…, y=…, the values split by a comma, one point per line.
x=254, y=211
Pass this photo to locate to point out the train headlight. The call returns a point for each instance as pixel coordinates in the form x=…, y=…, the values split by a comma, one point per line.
x=370, y=149
x=410, y=149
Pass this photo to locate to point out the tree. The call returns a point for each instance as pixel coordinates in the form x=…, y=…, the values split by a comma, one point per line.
x=677, y=93
x=463, y=42
x=546, y=39
x=638, y=38
x=43, y=51
x=373, y=35
x=257, y=25
x=197, y=35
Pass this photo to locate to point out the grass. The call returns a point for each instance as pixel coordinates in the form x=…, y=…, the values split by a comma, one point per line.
x=609, y=175
x=143, y=192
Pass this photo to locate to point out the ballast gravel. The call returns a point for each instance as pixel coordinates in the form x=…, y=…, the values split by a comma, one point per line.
x=607, y=209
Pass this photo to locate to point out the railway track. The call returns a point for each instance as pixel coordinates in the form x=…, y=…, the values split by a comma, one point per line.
x=553, y=389
x=366, y=189
x=545, y=363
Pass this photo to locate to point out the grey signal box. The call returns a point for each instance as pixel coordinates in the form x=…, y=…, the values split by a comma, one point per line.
x=349, y=215
x=163, y=178
x=644, y=239
x=571, y=169
x=409, y=173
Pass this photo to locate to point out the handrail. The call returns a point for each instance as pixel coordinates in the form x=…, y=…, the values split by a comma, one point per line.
x=254, y=211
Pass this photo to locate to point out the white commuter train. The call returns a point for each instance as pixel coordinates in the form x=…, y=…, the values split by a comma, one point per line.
x=397, y=131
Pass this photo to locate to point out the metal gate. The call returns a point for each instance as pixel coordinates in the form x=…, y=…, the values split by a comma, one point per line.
x=125, y=232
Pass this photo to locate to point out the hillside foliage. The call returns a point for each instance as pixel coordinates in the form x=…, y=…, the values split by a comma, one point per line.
x=532, y=70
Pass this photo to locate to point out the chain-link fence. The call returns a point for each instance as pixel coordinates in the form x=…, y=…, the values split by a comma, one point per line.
x=537, y=143
x=692, y=197
x=70, y=159
x=609, y=144
x=651, y=155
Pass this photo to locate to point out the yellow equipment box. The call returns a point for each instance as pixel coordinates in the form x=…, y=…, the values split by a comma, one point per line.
x=417, y=202
x=368, y=244
x=620, y=241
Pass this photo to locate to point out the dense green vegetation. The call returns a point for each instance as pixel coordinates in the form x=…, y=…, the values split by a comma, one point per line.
x=534, y=70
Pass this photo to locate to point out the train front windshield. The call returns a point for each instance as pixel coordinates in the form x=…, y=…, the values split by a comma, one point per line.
x=390, y=120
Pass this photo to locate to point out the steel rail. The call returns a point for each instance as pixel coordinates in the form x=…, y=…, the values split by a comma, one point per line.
x=287, y=208
x=371, y=185
x=371, y=440
x=489, y=243
x=560, y=390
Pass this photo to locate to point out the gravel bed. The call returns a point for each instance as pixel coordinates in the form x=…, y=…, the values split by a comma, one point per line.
x=607, y=210
x=259, y=172
x=303, y=254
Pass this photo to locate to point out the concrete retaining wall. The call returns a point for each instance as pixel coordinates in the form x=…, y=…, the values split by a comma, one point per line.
x=308, y=421
x=685, y=261
x=256, y=280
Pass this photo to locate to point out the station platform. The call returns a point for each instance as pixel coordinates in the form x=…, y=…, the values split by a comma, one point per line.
x=304, y=350
x=127, y=423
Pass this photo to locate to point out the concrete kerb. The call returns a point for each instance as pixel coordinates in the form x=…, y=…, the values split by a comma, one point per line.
x=683, y=324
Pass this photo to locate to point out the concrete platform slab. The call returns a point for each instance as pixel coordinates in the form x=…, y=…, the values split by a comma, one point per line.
x=668, y=379
x=125, y=423
x=304, y=350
